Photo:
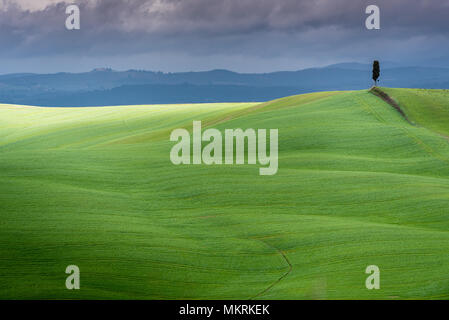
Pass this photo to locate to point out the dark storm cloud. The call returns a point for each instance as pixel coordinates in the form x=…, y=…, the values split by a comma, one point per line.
x=243, y=27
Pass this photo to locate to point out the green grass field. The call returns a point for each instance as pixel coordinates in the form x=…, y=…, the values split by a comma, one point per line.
x=357, y=185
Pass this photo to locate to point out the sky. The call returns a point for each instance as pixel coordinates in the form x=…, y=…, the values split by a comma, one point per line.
x=239, y=35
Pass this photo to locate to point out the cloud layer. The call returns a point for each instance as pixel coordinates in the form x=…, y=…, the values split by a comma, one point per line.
x=249, y=34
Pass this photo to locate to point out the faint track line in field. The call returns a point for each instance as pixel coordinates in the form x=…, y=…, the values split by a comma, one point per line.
x=370, y=110
x=290, y=268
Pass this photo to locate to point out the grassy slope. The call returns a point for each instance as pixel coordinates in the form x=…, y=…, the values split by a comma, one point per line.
x=357, y=185
x=426, y=107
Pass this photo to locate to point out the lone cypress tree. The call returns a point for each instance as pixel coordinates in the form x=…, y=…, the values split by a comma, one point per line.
x=376, y=71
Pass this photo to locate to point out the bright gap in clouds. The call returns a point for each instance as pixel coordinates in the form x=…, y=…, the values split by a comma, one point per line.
x=33, y=5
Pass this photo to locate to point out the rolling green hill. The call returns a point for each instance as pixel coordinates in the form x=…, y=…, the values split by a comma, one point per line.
x=357, y=185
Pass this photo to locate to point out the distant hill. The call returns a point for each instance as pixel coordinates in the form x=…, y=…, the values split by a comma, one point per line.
x=105, y=86
x=159, y=94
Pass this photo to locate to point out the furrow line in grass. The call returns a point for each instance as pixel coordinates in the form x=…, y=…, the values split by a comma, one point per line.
x=438, y=179
x=290, y=268
x=370, y=110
